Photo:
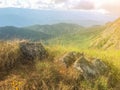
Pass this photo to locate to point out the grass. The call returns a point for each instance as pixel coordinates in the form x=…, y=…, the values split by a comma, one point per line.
x=51, y=74
x=110, y=57
x=9, y=53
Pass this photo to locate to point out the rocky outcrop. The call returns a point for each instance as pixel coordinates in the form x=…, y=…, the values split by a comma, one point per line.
x=32, y=50
x=90, y=68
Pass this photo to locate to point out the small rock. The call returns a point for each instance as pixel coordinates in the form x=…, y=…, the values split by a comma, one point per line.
x=69, y=58
x=86, y=68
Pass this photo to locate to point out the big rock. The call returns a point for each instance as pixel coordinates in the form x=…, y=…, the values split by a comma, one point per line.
x=33, y=50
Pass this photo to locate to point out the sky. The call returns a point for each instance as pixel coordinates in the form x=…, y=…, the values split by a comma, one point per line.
x=103, y=6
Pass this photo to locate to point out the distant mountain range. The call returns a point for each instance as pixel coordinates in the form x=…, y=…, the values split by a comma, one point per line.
x=38, y=32
x=62, y=33
x=11, y=33
x=24, y=17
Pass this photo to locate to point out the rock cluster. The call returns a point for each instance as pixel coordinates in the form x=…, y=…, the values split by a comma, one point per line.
x=89, y=68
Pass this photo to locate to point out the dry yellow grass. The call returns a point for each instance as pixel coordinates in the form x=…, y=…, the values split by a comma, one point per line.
x=50, y=74
x=9, y=53
x=110, y=57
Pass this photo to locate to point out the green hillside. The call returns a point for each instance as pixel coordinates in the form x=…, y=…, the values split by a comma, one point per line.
x=81, y=39
x=57, y=29
x=38, y=32
x=10, y=33
x=56, y=34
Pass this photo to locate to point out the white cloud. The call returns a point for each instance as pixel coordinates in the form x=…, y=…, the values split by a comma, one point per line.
x=84, y=4
x=111, y=6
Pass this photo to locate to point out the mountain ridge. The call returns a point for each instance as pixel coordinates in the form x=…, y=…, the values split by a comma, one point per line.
x=110, y=37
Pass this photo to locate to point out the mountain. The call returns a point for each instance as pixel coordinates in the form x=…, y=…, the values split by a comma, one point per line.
x=57, y=29
x=61, y=33
x=38, y=32
x=21, y=17
x=10, y=33
x=110, y=37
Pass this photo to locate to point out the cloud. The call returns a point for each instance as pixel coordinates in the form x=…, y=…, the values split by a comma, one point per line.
x=60, y=1
x=85, y=5
x=113, y=6
x=43, y=4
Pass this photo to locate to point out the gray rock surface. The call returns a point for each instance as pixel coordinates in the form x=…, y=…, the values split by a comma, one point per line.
x=86, y=68
x=32, y=50
x=90, y=68
x=69, y=58
x=100, y=66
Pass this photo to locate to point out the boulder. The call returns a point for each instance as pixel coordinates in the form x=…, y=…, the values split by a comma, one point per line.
x=69, y=58
x=32, y=50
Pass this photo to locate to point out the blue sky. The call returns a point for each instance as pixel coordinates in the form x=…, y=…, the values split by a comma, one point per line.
x=83, y=12
x=103, y=6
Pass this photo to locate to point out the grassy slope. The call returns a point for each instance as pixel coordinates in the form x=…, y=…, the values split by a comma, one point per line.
x=110, y=37
x=80, y=42
x=81, y=39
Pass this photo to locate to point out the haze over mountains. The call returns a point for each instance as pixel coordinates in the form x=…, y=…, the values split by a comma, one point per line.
x=25, y=17
x=51, y=25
